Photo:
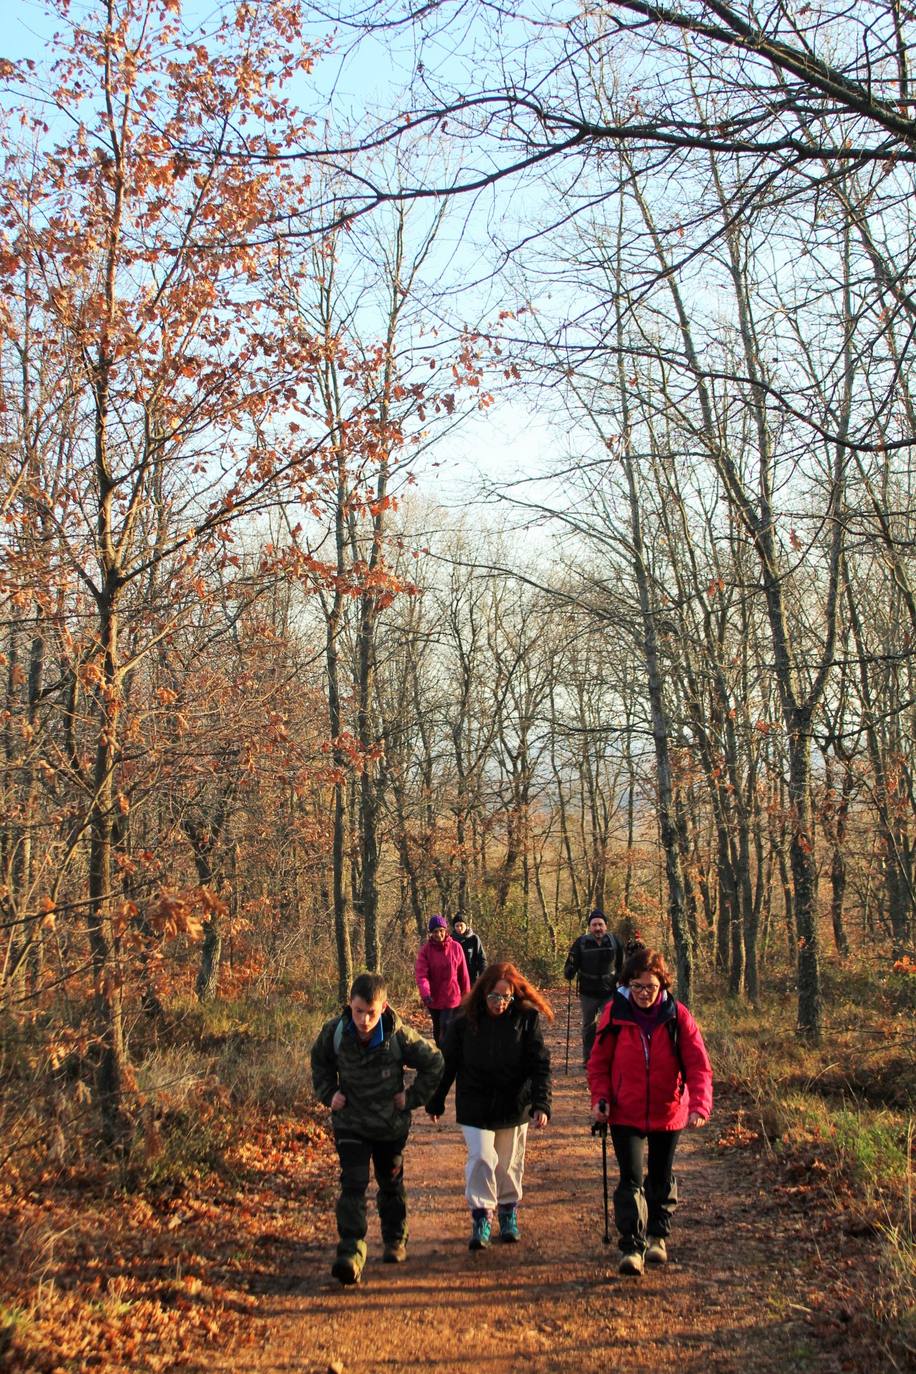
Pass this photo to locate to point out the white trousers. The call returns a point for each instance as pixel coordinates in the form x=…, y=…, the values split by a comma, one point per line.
x=496, y=1163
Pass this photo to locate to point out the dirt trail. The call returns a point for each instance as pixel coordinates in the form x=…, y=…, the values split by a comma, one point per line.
x=739, y=1295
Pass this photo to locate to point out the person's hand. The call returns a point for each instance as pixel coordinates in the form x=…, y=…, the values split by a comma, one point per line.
x=696, y=1119
x=433, y=1115
x=400, y=1100
x=539, y=1120
x=338, y=1101
x=599, y=1111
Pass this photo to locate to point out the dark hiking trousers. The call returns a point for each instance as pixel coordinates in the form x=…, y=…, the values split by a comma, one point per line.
x=643, y=1205
x=387, y=1158
x=441, y=1017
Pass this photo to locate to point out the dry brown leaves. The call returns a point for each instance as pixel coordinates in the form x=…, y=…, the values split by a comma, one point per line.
x=99, y=1278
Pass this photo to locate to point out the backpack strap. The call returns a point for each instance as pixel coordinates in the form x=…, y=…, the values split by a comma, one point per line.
x=674, y=1031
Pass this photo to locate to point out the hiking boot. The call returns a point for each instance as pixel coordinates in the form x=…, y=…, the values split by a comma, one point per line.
x=347, y=1268
x=630, y=1264
x=656, y=1250
x=508, y=1225
x=480, y=1234
x=395, y=1252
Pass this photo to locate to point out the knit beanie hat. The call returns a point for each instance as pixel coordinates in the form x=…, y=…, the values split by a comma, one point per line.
x=437, y=923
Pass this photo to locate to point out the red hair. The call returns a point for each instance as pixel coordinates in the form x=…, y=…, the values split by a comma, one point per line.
x=525, y=993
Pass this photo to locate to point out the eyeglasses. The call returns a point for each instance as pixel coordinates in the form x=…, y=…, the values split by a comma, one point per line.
x=499, y=997
x=645, y=987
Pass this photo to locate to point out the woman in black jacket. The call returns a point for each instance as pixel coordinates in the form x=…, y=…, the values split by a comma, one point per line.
x=495, y=1054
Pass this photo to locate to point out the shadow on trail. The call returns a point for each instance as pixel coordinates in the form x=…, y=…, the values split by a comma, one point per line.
x=729, y=1302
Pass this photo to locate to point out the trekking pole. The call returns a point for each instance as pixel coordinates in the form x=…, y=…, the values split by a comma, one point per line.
x=568, y=1011
x=600, y=1128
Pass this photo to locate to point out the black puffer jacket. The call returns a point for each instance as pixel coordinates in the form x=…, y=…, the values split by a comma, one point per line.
x=501, y=1068
x=473, y=953
x=597, y=963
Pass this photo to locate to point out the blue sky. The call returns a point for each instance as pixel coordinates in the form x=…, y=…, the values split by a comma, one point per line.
x=511, y=438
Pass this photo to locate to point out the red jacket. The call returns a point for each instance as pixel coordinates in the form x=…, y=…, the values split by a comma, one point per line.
x=640, y=1080
x=441, y=972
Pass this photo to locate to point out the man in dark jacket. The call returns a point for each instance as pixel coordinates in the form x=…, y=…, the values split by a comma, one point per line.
x=595, y=960
x=358, y=1064
x=473, y=949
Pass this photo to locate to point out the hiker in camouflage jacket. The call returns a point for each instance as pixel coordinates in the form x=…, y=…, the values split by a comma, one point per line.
x=358, y=1063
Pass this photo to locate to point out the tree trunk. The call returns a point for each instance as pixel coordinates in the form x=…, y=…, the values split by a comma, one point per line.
x=205, y=984
x=804, y=878
x=660, y=736
x=112, y=1075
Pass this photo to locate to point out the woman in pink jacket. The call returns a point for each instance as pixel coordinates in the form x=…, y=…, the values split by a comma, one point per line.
x=649, y=1077
x=441, y=973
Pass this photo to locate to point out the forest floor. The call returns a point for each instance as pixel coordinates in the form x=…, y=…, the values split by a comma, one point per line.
x=763, y=1274
x=772, y=1267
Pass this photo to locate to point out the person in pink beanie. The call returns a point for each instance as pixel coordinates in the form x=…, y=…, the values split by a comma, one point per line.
x=441, y=974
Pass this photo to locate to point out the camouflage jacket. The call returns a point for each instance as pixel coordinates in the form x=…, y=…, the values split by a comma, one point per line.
x=370, y=1077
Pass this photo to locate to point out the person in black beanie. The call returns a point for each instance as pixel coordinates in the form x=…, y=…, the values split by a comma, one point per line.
x=473, y=949
x=595, y=960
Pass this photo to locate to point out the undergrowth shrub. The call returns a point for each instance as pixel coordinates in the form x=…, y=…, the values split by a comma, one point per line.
x=760, y=1059
x=901, y=984
x=507, y=937
x=845, y=1104
x=221, y=1058
x=894, y=1300
x=170, y=1076
x=180, y=1148
x=871, y=1144
x=208, y=1023
x=272, y=1074
x=13, y=1321
x=845, y=1094
x=867, y=1146
x=259, y=1052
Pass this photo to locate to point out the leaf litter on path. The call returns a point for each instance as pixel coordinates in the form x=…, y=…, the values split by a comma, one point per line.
x=757, y=1282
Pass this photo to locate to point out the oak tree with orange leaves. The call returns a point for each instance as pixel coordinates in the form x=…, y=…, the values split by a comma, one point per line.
x=158, y=373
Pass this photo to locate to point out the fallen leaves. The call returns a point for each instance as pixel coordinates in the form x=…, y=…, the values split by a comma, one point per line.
x=100, y=1279
x=738, y=1135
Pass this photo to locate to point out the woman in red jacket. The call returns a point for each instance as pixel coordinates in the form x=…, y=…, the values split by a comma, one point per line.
x=649, y=1076
x=441, y=975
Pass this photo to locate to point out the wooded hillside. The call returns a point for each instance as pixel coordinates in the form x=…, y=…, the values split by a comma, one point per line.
x=269, y=701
